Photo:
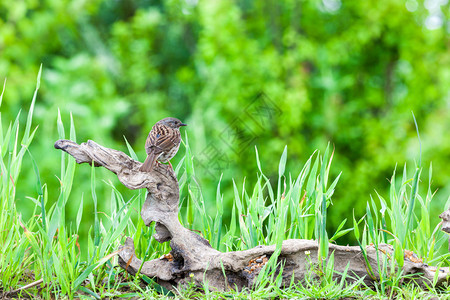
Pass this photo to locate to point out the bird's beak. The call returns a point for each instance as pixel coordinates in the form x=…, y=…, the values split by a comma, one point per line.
x=182, y=124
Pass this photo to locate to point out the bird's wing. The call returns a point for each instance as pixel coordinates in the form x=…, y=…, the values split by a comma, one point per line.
x=161, y=139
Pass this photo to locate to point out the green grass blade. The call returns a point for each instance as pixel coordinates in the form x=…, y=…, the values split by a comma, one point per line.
x=79, y=213
x=131, y=150
x=3, y=90
x=26, y=135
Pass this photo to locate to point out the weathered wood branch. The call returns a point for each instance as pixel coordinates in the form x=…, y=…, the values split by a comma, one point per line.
x=445, y=216
x=193, y=259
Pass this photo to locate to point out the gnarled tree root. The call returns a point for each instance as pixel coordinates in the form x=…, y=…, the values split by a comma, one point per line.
x=297, y=257
x=192, y=258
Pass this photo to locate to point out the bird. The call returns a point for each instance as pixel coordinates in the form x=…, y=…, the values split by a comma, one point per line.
x=162, y=142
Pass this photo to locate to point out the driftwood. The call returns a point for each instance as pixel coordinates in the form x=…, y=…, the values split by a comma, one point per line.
x=445, y=216
x=192, y=259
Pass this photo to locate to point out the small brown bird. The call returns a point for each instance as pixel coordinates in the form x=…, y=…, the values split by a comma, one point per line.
x=162, y=142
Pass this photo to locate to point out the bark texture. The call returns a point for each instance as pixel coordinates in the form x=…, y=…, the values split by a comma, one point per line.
x=445, y=216
x=192, y=259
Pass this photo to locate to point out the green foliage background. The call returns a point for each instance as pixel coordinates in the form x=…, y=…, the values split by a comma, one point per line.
x=347, y=72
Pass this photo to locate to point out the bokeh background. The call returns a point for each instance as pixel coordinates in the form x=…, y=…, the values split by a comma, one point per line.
x=241, y=74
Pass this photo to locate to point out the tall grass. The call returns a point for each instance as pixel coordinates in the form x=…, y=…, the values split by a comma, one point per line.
x=44, y=250
x=267, y=214
x=264, y=215
x=405, y=222
x=17, y=258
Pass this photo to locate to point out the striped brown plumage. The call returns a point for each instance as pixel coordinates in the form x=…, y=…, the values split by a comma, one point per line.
x=162, y=142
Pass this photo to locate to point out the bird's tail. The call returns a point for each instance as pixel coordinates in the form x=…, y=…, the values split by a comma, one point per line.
x=147, y=166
